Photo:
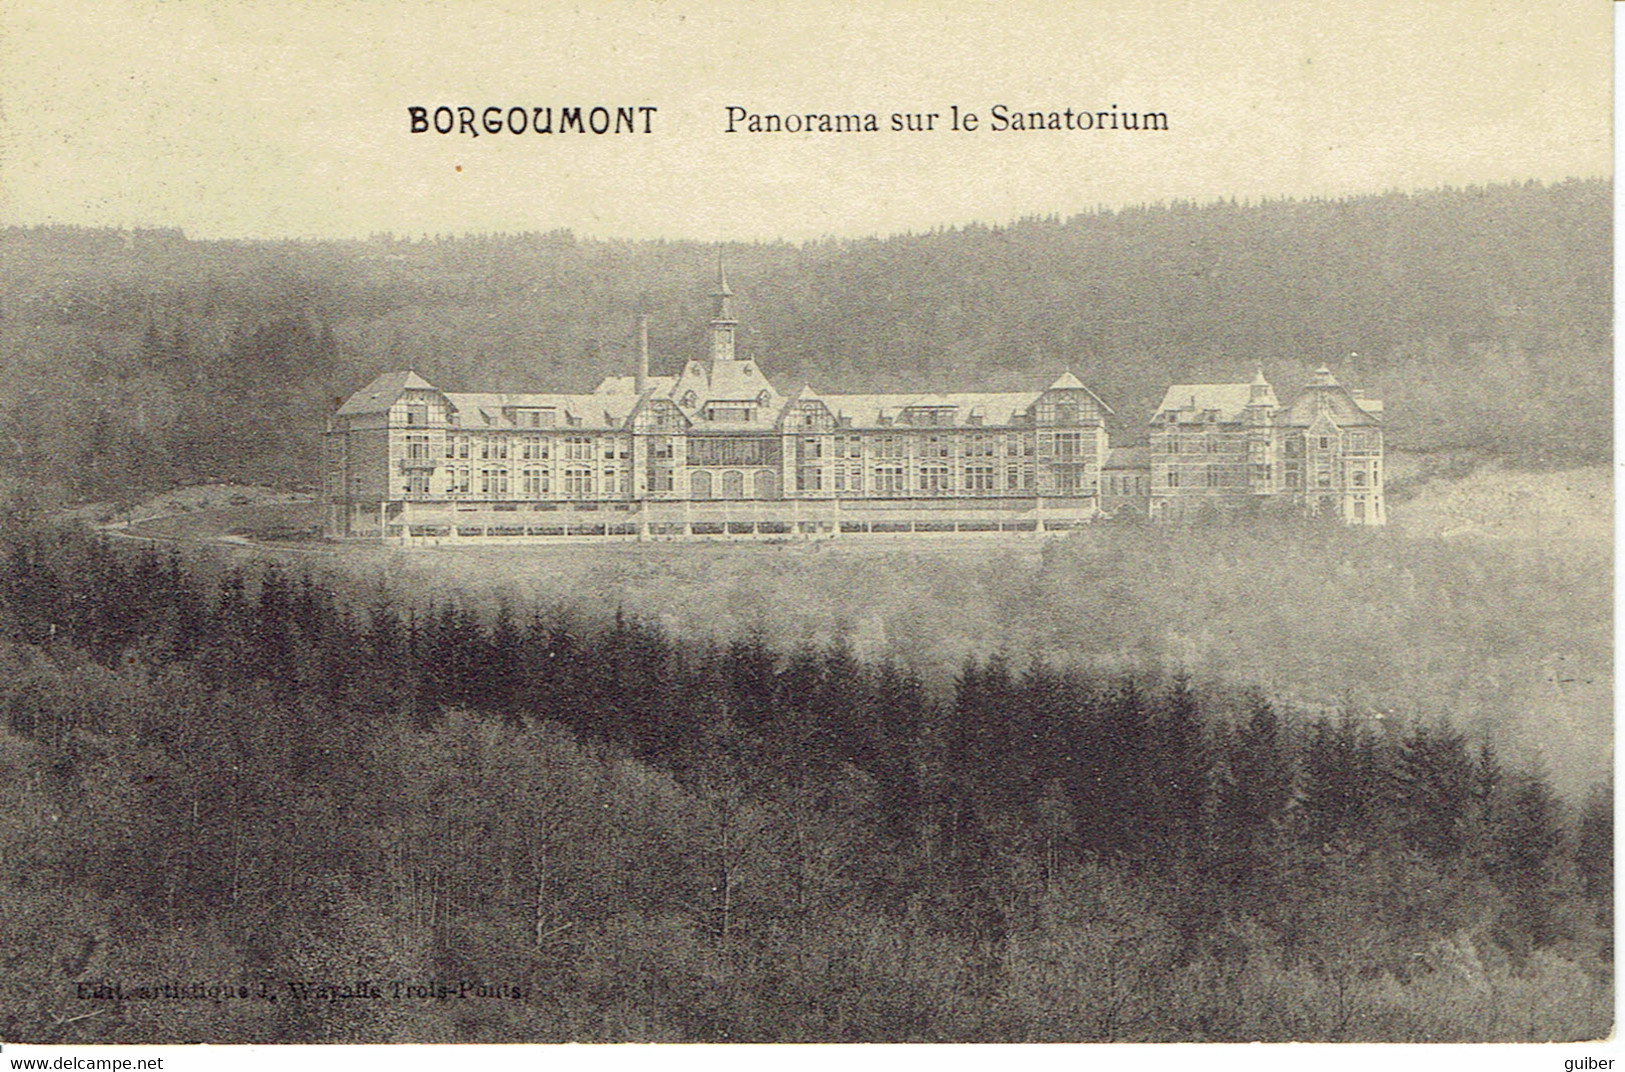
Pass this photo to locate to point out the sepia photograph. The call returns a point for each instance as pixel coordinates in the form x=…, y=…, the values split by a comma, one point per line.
x=706, y=522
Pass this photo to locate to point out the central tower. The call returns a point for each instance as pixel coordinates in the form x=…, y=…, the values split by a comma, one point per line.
x=723, y=323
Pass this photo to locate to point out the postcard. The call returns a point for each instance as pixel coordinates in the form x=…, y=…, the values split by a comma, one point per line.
x=678, y=522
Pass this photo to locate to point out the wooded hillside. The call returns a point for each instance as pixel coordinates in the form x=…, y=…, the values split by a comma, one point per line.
x=289, y=787
x=133, y=361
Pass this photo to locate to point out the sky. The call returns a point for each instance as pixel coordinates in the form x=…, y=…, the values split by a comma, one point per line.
x=271, y=120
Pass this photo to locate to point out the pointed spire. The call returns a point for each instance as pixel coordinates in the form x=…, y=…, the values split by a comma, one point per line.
x=723, y=322
x=724, y=296
x=722, y=290
x=1324, y=377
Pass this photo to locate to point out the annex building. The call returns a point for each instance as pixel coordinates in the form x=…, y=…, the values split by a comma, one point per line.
x=1217, y=446
x=717, y=451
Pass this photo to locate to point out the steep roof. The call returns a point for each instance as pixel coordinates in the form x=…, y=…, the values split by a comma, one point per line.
x=994, y=408
x=482, y=410
x=1334, y=400
x=736, y=381
x=1228, y=399
x=383, y=392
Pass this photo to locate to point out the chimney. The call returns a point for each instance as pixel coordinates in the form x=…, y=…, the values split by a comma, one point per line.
x=642, y=379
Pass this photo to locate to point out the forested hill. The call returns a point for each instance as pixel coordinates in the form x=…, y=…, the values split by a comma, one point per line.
x=134, y=360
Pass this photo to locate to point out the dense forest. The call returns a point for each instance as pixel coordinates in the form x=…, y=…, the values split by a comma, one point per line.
x=133, y=361
x=547, y=827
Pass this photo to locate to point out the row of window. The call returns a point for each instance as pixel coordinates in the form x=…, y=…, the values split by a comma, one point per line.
x=581, y=482
x=754, y=450
x=1235, y=476
x=1357, y=442
x=575, y=482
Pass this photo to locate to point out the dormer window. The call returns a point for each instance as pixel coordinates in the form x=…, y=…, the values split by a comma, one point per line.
x=690, y=399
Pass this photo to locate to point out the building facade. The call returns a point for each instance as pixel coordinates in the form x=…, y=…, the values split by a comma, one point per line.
x=715, y=450
x=1228, y=446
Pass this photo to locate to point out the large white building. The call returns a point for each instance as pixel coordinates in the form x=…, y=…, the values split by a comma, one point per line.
x=714, y=450
x=1220, y=446
x=717, y=450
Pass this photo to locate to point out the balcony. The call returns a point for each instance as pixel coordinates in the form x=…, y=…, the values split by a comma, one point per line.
x=417, y=464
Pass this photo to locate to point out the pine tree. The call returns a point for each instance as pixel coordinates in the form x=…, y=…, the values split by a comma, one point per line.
x=1432, y=781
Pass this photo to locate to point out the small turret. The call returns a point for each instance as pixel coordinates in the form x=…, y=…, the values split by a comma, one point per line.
x=1259, y=392
x=723, y=322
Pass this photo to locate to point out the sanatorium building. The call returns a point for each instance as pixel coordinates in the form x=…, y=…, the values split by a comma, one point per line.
x=716, y=451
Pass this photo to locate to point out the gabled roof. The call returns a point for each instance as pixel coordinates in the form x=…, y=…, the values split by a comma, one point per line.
x=736, y=381
x=1227, y=399
x=383, y=392
x=1069, y=382
x=1335, y=401
x=995, y=409
x=479, y=411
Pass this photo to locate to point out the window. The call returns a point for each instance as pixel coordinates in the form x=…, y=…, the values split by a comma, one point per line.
x=494, y=482
x=417, y=483
x=937, y=446
x=729, y=413
x=417, y=414
x=935, y=479
x=417, y=448
x=810, y=448
x=1173, y=478
x=1325, y=442
x=578, y=448
x=578, y=483
x=979, y=446
x=661, y=448
x=462, y=446
x=660, y=480
x=535, y=483
x=734, y=450
x=978, y=478
x=459, y=482
x=1359, y=478
x=809, y=479
x=888, y=479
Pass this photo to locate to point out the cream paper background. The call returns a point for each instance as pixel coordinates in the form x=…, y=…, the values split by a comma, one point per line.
x=271, y=120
